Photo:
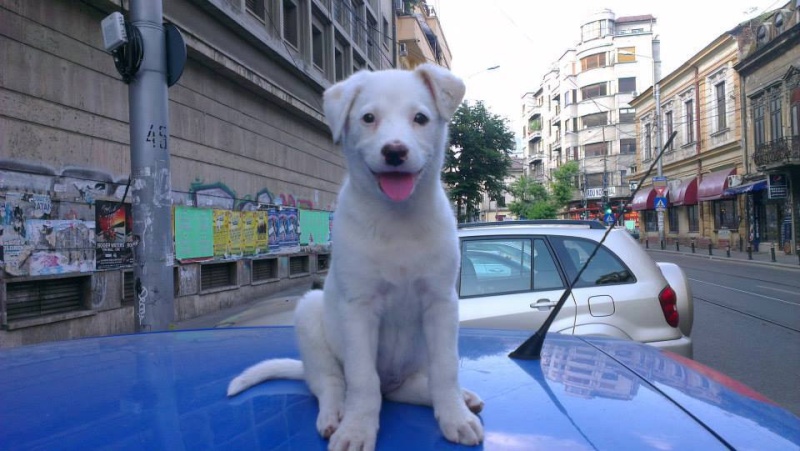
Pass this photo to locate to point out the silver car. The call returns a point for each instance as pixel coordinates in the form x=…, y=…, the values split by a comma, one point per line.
x=513, y=273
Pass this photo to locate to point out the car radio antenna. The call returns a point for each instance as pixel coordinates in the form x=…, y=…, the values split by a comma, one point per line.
x=531, y=349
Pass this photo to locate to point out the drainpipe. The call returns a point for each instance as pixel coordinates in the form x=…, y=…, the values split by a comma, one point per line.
x=748, y=204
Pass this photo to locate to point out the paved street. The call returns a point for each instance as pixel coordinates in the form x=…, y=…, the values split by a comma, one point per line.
x=747, y=320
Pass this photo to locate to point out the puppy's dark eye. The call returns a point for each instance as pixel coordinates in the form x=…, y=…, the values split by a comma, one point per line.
x=368, y=118
x=421, y=119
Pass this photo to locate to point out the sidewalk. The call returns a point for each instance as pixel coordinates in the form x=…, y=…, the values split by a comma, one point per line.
x=278, y=306
x=764, y=257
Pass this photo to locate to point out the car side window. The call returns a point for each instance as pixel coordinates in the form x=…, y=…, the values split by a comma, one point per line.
x=495, y=266
x=545, y=271
x=605, y=268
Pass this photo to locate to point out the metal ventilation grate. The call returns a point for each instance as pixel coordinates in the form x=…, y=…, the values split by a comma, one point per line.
x=45, y=297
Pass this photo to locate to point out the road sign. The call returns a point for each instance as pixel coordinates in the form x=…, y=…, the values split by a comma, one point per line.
x=660, y=203
x=609, y=218
x=660, y=185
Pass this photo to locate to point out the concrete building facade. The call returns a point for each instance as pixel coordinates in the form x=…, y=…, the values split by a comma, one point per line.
x=581, y=110
x=246, y=133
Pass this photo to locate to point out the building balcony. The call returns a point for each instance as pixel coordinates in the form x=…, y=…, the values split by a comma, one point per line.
x=534, y=135
x=780, y=152
x=419, y=32
x=532, y=111
x=535, y=157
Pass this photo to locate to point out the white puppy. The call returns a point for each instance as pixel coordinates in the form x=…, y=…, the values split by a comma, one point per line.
x=387, y=323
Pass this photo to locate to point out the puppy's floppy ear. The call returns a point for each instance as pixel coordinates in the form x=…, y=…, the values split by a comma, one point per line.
x=337, y=101
x=447, y=89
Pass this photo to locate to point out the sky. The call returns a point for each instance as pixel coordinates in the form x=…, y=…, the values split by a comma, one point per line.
x=524, y=37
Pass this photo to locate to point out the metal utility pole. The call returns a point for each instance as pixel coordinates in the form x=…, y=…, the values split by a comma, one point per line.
x=657, y=99
x=150, y=173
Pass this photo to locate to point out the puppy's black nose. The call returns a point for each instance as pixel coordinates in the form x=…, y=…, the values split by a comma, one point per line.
x=394, y=153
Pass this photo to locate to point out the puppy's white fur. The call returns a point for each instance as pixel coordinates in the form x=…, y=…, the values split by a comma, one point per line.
x=387, y=322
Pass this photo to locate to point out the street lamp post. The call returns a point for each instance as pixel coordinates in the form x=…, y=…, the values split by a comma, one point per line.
x=657, y=98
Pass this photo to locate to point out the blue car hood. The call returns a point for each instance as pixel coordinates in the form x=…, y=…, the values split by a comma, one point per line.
x=167, y=391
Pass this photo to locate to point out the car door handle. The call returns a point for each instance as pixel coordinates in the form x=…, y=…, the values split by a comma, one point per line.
x=543, y=304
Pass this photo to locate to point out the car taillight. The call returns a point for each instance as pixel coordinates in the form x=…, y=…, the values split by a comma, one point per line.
x=669, y=305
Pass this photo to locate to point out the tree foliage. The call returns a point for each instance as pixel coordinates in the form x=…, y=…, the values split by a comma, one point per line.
x=532, y=200
x=478, y=158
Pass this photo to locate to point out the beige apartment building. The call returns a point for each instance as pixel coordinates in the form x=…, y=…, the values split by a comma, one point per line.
x=700, y=102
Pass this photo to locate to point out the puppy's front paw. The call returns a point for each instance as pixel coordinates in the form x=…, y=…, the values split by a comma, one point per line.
x=354, y=436
x=461, y=426
x=328, y=421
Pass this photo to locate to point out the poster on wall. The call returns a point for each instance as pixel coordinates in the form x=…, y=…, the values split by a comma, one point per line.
x=316, y=227
x=248, y=225
x=272, y=227
x=58, y=247
x=288, y=230
x=262, y=235
x=235, y=234
x=222, y=236
x=113, y=235
x=194, y=233
x=15, y=211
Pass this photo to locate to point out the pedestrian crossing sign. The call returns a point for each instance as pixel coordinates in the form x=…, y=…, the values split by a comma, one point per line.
x=660, y=203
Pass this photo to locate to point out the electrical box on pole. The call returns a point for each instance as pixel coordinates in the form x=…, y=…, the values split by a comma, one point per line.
x=151, y=57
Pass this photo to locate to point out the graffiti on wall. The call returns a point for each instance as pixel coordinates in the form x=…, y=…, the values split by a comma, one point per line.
x=83, y=224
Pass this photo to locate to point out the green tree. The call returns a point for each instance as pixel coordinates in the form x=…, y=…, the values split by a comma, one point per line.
x=532, y=200
x=478, y=158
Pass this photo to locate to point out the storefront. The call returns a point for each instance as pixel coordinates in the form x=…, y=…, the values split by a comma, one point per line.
x=722, y=213
x=684, y=213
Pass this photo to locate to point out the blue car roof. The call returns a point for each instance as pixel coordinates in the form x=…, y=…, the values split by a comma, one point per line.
x=167, y=391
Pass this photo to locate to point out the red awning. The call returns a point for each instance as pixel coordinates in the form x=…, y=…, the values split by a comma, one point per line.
x=644, y=199
x=713, y=185
x=686, y=194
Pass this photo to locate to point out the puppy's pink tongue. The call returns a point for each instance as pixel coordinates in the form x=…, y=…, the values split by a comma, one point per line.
x=397, y=185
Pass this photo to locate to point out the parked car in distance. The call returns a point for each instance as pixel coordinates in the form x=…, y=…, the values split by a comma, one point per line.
x=167, y=391
x=514, y=272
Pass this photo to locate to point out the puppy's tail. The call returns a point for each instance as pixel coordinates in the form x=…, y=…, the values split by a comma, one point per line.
x=266, y=370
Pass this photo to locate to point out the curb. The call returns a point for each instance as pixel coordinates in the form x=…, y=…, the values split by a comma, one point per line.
x=728, y=259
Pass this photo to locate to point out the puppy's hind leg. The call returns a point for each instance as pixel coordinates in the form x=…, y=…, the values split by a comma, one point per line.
x=415, y=390
x=323, y=372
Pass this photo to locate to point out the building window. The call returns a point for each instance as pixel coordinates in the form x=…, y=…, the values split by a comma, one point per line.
x=725, y=214
x=265, y=269
x=775, y=123
x=597, y=179
x=318, y=45
x=650, y=221
x=596, y=29
x=758, y=122
x=648, y=142
x=387, y=37
x=217, y=275
x=298, y=265
x=593, y=61
x=627, y=146
x=595, y=90
x=795, y=112
x=626, y=55
x=626, y=115
x=627, y=85
x=595, y=120
x=722, y=122
x=688, y=113
x=291, y=23
x=672, y=216
x=256, y=7
x=46, y=297
x=694, y=218
x=669, y=128
x=595, y=149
